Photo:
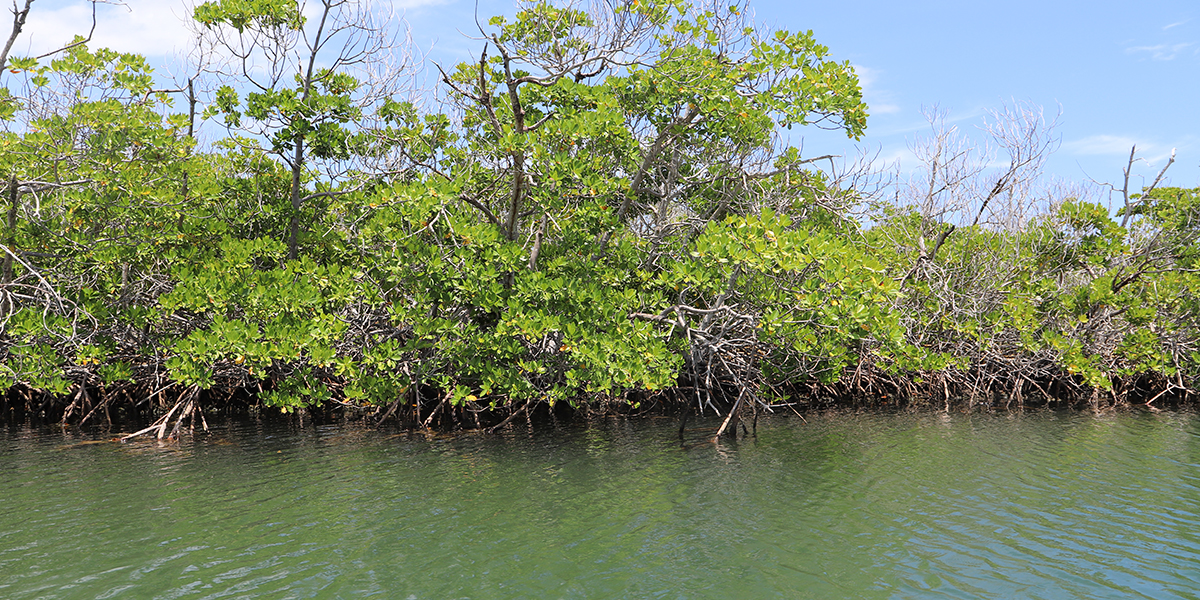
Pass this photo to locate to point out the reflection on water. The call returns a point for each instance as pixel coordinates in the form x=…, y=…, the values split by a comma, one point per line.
x=1044, y=505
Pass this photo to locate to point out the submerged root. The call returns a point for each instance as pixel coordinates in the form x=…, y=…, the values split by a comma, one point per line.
x=734, y=393
x=187, y=407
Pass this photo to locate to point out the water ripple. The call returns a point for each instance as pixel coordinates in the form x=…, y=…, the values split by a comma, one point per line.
x=1043, y=505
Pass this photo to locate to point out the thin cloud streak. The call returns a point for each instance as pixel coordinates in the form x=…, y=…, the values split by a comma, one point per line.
x=1103, y=145
x=1161, y=51
x=921, y=125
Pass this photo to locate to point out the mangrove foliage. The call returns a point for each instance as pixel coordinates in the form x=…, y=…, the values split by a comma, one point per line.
x=607, y=210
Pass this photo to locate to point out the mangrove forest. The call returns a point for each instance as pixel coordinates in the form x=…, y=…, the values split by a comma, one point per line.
x=607, y=211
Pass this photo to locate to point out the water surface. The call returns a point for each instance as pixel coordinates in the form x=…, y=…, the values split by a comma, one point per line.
x=1042, y=505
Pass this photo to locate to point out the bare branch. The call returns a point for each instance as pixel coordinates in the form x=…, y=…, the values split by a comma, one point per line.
x=19, y=16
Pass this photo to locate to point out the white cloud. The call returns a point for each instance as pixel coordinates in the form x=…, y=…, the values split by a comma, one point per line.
x=879, y=102
x=866, y=75
x=1095, y=145
x=1175, y=24
x=1160, y=51
x=411, y=4
x=899, y=157
x=153, y=28
x=148, y=27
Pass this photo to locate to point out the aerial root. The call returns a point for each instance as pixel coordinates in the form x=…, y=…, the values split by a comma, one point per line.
x=187, y=407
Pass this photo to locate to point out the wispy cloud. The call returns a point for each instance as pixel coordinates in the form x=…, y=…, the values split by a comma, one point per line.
x=400, y=5
x=866, y=75
x=1103, y=145
x=1175, y=24
x=917, y=122
x=879, y=101
x=898, y=157
x=411, y=4
x=1161, y=51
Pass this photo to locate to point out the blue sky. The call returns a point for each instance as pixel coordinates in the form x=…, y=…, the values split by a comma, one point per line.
x=1120, y=73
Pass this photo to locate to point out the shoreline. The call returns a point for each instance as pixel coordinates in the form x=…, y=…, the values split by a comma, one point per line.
x=176, y=411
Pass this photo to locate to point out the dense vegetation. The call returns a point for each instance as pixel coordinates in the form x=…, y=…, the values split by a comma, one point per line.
x=603, y=212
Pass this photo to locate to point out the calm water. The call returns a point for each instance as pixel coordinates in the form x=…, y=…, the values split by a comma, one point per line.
x=1046, y=505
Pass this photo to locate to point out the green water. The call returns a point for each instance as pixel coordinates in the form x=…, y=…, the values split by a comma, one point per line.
x=1045, y=505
